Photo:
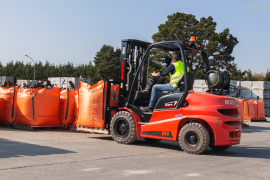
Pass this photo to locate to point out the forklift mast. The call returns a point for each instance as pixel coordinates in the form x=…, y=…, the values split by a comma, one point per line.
x=132, y=52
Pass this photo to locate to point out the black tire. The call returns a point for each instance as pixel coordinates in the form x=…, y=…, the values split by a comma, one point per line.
x=194, y=138
x=219, y=148
x=123, y=128
x=152, y=140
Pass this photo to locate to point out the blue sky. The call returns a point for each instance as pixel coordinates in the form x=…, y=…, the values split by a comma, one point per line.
x=74, y=30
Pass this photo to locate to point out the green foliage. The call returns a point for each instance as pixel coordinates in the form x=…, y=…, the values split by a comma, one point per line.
x=107, y=60
x=235, y=73
x=267, y=77
x=219, y=46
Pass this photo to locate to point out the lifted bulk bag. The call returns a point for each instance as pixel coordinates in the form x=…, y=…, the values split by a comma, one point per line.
x=8, y=97
x=66, y=113
x=38, y=107
x=91, y=103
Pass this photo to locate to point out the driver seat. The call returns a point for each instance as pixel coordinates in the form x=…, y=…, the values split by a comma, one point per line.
x=180, y=83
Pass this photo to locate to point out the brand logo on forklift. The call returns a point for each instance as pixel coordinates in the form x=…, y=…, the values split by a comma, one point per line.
x=122, y=70
x=171, y=103
x=165, y=133
x=227, y=102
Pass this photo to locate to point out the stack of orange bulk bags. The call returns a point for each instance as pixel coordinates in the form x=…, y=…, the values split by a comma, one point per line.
x=249, y=110
x=38, y=107
x=91, y=112
x=67, y=107
x=241, y=110
x=8, y=97
x=259, y=110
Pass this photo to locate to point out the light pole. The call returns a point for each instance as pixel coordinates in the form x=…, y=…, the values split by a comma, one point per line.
x=34, y=64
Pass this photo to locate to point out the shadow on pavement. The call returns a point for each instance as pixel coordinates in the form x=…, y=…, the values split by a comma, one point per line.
x=108, y=138
x=10, y=149
x=234, y=151
x=253, y=129
x=240, y=151
x=141, y=142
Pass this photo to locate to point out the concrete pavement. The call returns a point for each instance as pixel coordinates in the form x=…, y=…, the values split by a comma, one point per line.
x=57, y=154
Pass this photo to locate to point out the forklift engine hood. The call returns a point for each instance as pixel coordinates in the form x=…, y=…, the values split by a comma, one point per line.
x=217, y=106
x=200, y=98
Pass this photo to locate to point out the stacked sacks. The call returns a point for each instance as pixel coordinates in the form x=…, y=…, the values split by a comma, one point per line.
x=38, y=107
x=67, y=105
x=91, y=103
x=8, y=97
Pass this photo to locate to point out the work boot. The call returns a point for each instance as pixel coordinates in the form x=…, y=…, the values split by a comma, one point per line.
x=147, y=109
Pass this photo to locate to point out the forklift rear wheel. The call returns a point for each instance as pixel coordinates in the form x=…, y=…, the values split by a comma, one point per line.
x=219, y=148
x=123, y=128
x=194, y=138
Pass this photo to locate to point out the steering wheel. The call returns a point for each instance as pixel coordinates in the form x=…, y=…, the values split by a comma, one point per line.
x=157, y=79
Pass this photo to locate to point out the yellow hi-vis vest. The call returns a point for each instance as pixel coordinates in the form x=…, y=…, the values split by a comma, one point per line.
x=179, y=71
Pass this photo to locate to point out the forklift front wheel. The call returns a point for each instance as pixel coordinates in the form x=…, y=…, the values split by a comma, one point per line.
x=123, y=128
x=194, y=138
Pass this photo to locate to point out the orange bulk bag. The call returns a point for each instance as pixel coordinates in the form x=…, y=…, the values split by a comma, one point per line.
x=24, y=107
x=67, y=107
x=249, y=110
x=8, y=97
x=259, y=110
x=91, y=105
x=38, y=107
x=241, y=110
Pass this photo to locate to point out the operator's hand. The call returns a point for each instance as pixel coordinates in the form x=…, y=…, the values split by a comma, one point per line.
x=154, y=73
x=167, y=77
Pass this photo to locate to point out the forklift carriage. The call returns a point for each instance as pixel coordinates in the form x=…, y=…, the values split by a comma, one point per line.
x=195, y=119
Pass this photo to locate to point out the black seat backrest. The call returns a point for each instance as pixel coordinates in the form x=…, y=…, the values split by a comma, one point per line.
x=191, y=78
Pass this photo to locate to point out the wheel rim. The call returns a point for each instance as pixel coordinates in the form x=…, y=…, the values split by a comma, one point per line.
x=121, y=128
x=192, y=138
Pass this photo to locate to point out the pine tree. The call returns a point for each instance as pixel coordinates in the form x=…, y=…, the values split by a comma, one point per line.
x=107, y=60
x=219, y=46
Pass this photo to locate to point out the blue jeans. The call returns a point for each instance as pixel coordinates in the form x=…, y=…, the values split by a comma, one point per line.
x=155, y=93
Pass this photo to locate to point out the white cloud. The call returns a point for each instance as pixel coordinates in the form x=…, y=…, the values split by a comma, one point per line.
x=257, y=7
x=183, y=10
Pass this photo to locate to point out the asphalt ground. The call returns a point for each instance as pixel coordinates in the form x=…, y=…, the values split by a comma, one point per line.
x=58, y=154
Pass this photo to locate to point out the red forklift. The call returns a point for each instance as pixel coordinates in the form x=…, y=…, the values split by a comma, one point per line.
x=196, y=119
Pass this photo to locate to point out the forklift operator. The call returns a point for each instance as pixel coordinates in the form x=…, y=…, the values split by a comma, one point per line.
x=175, y=70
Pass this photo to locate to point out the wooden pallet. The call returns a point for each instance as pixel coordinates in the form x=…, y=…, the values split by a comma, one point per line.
x=89, y=129
x=33, y=128
x=256, y=120
x=7, y=125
